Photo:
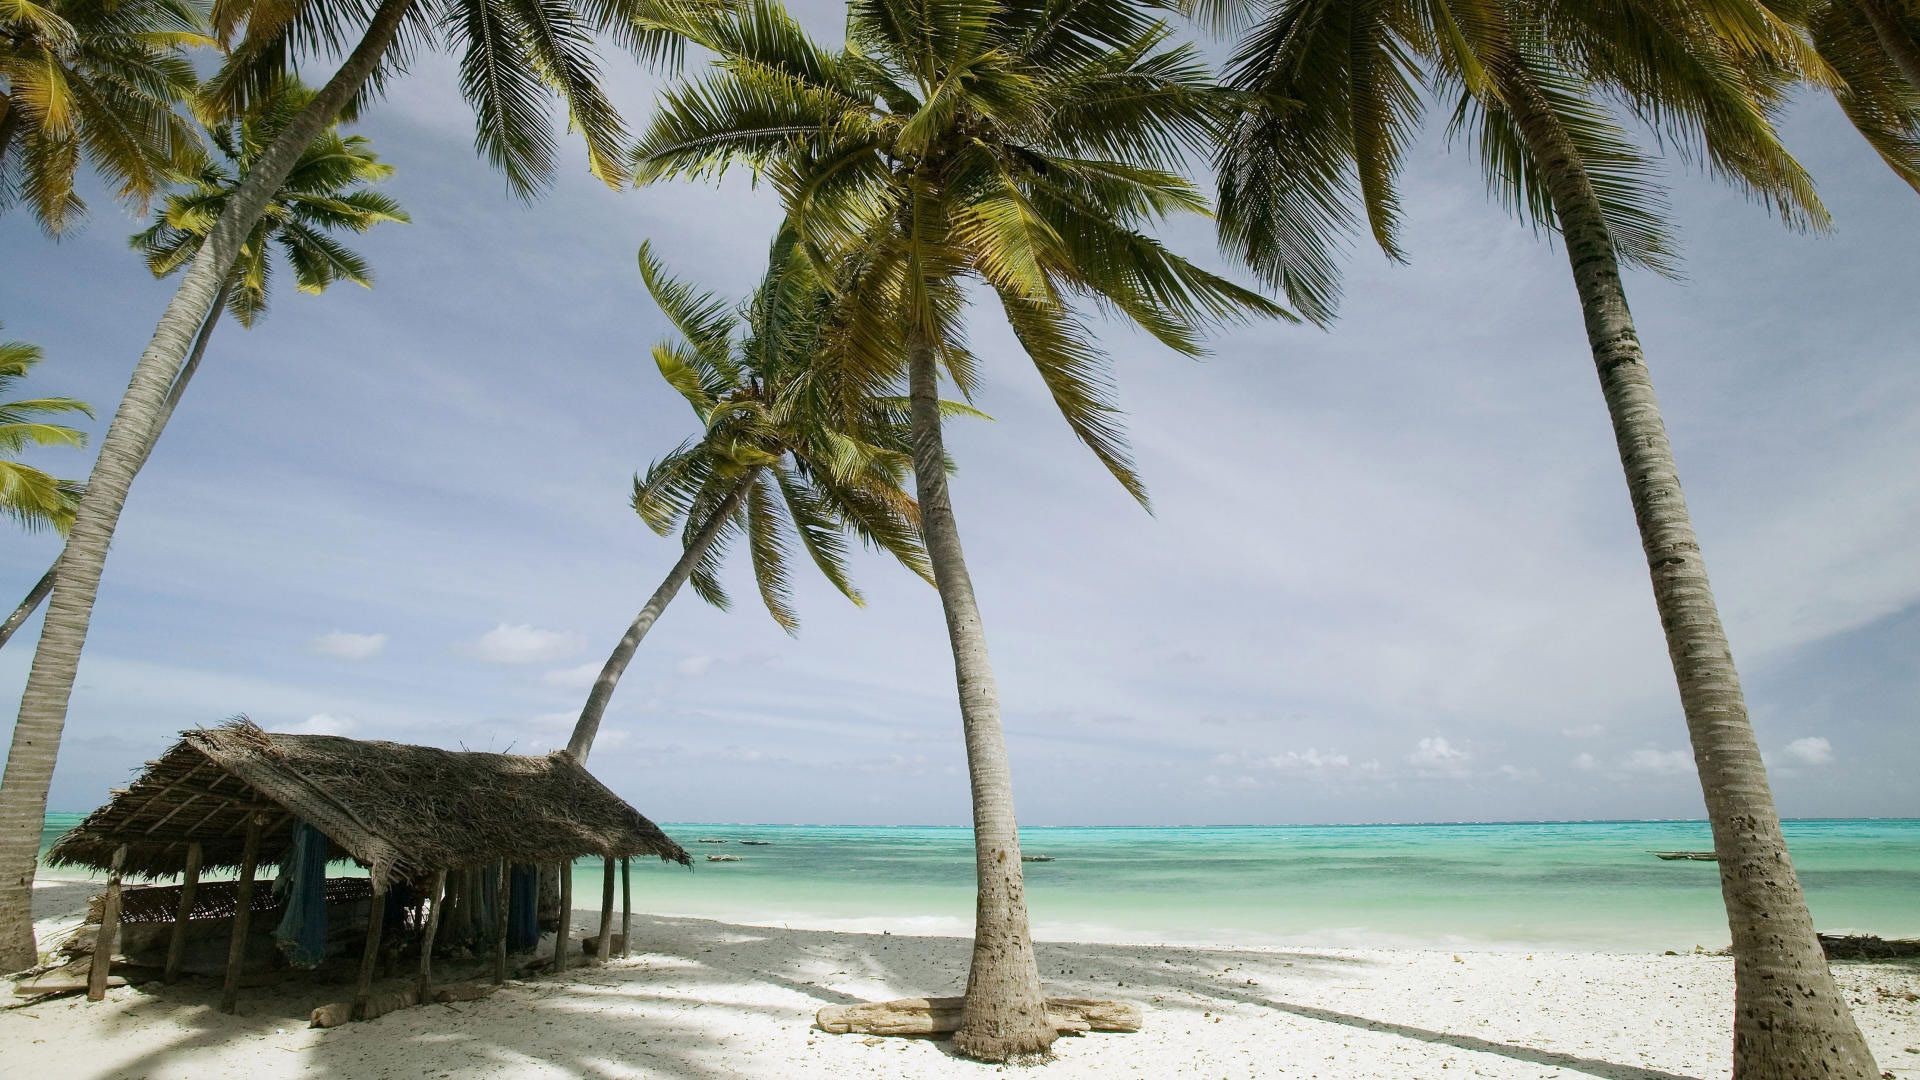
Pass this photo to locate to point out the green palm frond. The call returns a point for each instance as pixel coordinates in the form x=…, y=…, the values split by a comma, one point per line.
x=31, y=497
x=99, y=81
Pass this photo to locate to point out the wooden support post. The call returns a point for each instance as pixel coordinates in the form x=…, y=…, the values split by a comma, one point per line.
x=565, y=929
x=502, y=901
x=605, y=950
x=242, y=914
x=189, y=884
x=109, y=929
x=626, y=905
x=376, y=918
x=437, y=894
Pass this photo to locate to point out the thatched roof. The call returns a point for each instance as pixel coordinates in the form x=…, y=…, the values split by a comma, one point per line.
x=404, y=811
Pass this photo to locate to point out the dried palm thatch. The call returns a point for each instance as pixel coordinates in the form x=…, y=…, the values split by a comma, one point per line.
x=403, y=811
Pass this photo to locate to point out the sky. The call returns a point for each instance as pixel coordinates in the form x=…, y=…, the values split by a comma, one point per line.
x=1391, y=573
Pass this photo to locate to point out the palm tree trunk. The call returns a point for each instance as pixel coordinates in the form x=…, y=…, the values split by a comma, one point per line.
x=43, y=704
x=1891, y=31
x=588, y=726
x=1005, y=1015
x=41, y=588
x=1790, y=1020
x=27, y=607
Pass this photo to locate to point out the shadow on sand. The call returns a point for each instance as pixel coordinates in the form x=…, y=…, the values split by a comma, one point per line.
x=679, y=1009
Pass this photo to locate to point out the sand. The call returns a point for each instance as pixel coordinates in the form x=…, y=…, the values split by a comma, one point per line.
x=703, y=999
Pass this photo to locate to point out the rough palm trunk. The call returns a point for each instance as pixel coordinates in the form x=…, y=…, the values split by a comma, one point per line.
x=1890, y=29
x=1790, y=1020
x=38, y=594
x=1005, y=1015
x=588, y=726
x=43, y=704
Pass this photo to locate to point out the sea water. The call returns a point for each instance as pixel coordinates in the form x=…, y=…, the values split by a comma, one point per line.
x=1579, y=885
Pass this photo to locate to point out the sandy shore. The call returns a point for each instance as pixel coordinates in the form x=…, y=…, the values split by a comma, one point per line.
x=702, y=999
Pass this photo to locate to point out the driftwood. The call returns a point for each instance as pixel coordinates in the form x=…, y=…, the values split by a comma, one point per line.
x=1868, y=947
x=941, y=1016
x=62, y=980
x=339, y=1012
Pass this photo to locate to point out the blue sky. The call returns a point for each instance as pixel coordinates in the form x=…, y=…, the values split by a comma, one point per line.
x=1392, y=574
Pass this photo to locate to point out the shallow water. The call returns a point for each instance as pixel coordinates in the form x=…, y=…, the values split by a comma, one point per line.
x=1589, y=885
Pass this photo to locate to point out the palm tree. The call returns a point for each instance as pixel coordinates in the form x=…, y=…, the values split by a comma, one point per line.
x=34, y=499
x=1334, y=92
x=327, y=191
x=94, y=78
x=1022, y=146
x=773, y=461
x=514, y=55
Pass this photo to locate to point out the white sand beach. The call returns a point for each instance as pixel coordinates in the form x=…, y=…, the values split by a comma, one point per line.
x=703, y=999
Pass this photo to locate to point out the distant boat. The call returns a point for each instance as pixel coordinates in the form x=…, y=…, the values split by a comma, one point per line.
x=757, y=843
x=723, y=858
x=1697, y=856
x=1036, y=858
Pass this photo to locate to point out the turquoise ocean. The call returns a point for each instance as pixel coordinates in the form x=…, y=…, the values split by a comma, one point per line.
x=1579, y=885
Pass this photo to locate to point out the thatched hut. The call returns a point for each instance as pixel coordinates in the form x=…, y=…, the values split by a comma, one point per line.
x=234, y=796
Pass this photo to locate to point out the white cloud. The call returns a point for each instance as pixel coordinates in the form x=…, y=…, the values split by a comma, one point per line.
x=694, y=666
x=324, y=724
x=1516, y=772
x=574, y=678
x=342, y=645
x=1436, y=755
x=1585, y=762
x=1584, y=731
x=1308, y=760
x=1812, y=750
x=1659, y=762
x=523, y=644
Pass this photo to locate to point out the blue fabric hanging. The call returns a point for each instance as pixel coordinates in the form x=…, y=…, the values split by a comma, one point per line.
x=485, y=920
x=302, y=933
x=523, y=904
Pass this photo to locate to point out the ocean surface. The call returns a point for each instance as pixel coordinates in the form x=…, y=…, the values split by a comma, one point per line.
x=1583, y=885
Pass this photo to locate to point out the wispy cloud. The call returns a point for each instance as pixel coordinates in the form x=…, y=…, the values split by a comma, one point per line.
x=1812, y=750
x=523, y=644
x=342, y=645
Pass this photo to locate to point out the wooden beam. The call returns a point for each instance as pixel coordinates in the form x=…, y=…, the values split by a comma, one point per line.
x=242, y=915
x=565, y=929
x=109, y=929
x=626, y=905
x=604, y=952
x=438, y=895
x=189, y=884
x=376, y=917
x=502, y=900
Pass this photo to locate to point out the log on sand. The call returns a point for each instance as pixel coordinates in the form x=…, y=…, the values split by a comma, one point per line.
x=941, y=1016
x=380, y=1004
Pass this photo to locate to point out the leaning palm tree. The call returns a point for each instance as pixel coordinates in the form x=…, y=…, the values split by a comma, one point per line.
x=1021, y=146
x=33, y=498
x=327, y=191
x=100, y=79
x=1334, y=91
x=776, y=459
x=515, y=55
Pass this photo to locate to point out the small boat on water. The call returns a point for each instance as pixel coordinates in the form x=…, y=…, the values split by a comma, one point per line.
x=1697, y=856
x=1036, y=858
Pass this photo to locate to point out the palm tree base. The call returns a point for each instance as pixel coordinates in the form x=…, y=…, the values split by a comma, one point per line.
x=998, y=1044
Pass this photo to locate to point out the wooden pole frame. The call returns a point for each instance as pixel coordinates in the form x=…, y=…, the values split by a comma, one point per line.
x=109, y=930
x=626, y=906
x=503, y=899
x=437, y=892
x=376, y=919
x=242, y=914
x=189, y=885
x=565, y=928
x=603, y=952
